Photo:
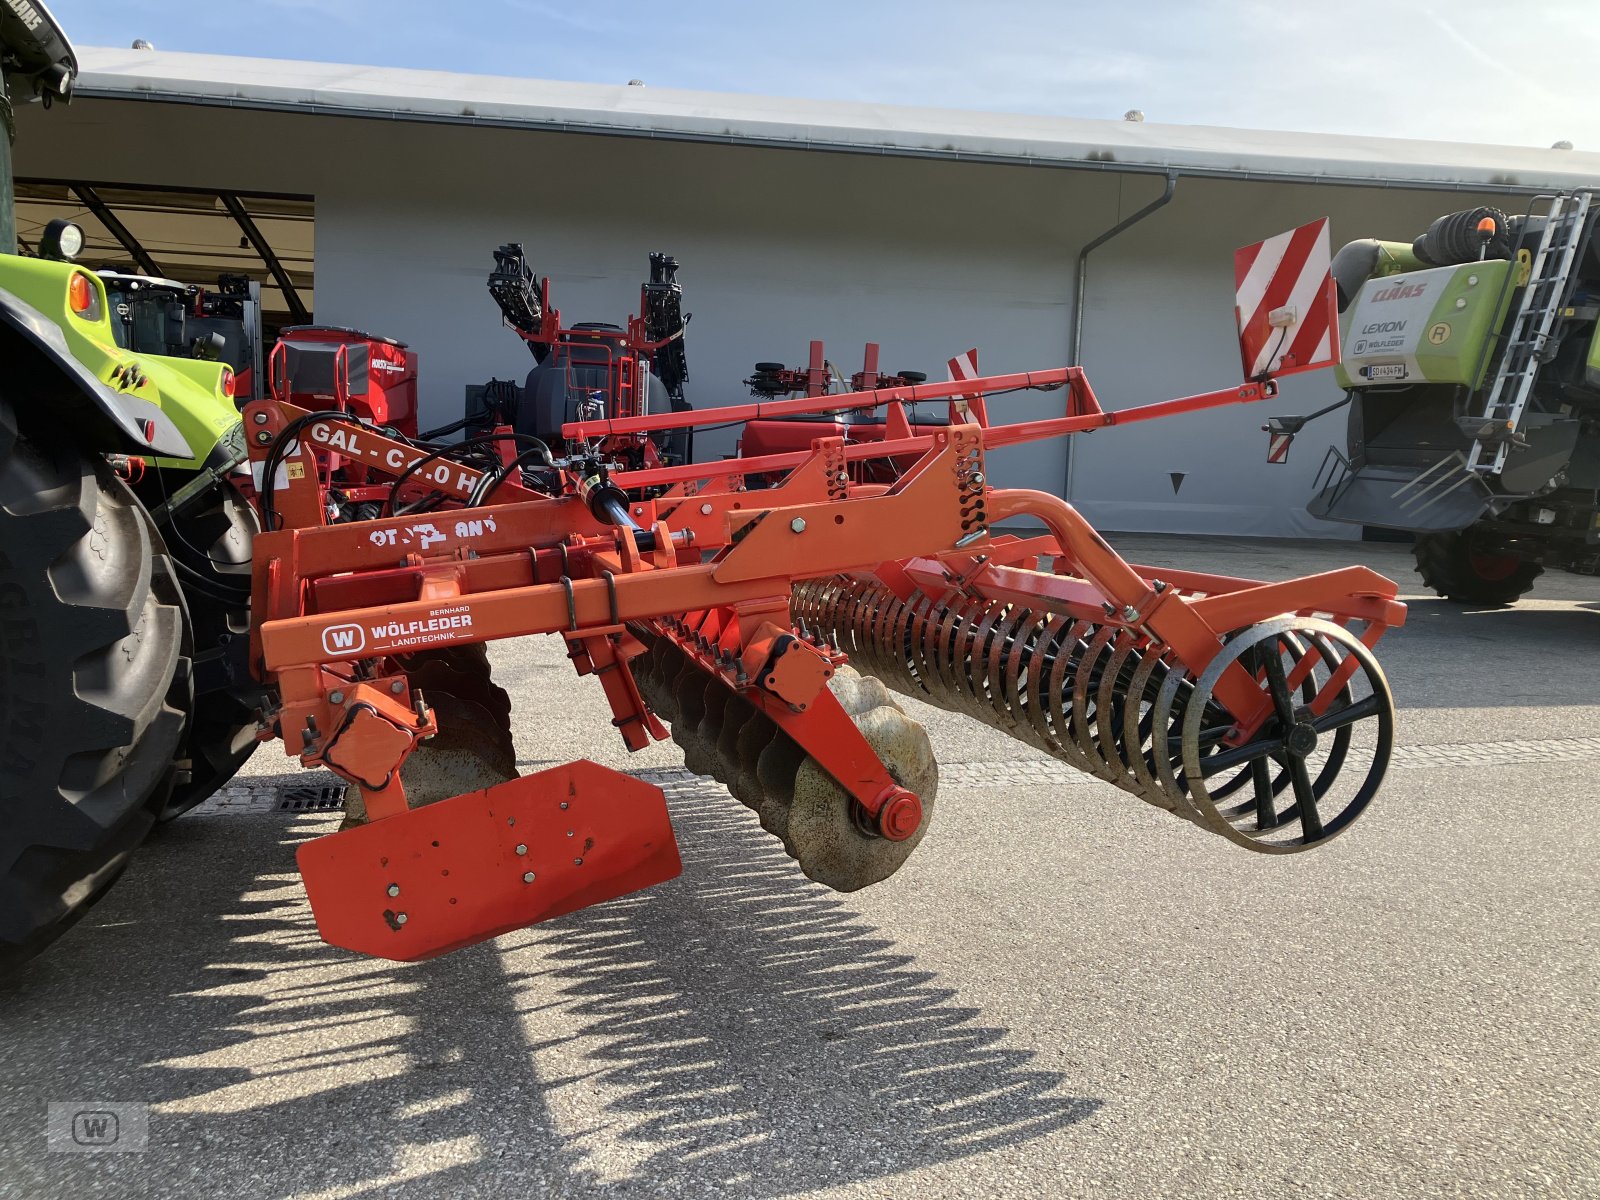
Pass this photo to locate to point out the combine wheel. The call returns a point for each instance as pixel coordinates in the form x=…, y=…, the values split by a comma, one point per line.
x=1460, y=567
x=1304, y=776
x=93, y=686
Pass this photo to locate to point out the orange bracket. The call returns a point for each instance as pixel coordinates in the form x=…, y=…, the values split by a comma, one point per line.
x=370, y=732
x=785, y=666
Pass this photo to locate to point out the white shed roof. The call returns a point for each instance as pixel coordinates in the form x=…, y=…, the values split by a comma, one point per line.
x=440, y=96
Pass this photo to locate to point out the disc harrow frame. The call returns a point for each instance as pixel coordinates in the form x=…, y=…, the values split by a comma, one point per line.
x=740, y=618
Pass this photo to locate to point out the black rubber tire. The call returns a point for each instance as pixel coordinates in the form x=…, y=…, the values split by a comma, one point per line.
x=1453, y=567
x=210, y=546
x=769, y=368
x=93, y=686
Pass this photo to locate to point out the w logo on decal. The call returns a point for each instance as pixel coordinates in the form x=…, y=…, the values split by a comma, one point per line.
x=343, y=639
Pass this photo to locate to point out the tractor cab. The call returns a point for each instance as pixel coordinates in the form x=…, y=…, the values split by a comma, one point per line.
x=150, y=315
x=147, y=314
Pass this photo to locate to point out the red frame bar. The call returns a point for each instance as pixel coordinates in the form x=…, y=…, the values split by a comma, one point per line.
x=1091, y=417
x=842, y=402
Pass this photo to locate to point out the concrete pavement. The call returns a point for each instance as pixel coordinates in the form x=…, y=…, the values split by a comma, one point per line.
x=1063, y=993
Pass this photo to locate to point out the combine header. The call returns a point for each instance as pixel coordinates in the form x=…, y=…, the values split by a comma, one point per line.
x=766, y=629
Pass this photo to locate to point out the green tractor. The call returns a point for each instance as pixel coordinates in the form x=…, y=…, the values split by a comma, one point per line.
x=1471, y=363
x=125, y=694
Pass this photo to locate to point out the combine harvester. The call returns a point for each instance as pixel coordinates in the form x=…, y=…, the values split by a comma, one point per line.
x=1471, y=368
x=765, y=628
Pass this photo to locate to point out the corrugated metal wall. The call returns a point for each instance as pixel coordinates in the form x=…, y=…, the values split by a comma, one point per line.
x=778, y=247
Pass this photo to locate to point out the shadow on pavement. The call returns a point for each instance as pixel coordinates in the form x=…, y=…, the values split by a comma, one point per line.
x=769, y=1040
x=739, y=1028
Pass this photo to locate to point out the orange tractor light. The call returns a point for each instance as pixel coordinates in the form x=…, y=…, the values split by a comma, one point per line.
x=81, y=294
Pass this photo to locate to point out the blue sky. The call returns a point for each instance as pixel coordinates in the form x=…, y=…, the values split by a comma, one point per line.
x=1460, y=70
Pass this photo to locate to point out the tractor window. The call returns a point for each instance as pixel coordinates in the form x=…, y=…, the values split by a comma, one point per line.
x=149, y=324
x=149, y=327
x=121, y=314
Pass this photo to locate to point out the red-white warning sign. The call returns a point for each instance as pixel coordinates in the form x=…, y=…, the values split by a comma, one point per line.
x=1278, y=447
x=963, y=367
x=1285, y=303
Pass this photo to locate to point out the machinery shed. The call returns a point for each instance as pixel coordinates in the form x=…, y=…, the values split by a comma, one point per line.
x=1041, y=241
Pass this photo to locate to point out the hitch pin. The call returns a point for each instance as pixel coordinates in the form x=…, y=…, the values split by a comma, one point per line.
x=420, y=707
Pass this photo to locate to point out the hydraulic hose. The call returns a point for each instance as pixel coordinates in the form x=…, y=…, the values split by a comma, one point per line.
x=609, y=503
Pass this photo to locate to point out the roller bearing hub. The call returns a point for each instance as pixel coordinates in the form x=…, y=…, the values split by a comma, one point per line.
x=1302, y=739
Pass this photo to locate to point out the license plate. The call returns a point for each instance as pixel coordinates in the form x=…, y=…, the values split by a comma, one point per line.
x=1387, y=371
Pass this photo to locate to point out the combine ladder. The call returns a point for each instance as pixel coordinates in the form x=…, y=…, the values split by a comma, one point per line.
x=1542, y=299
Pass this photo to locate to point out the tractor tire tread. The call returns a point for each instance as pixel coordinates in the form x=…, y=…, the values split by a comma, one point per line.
x=93, y=680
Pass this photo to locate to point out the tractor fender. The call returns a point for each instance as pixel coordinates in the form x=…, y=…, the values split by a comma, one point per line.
x=38, y=364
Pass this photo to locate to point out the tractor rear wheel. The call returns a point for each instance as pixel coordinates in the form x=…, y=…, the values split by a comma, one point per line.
x=94, y=685
x=1459, y=566
x=210, y=547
